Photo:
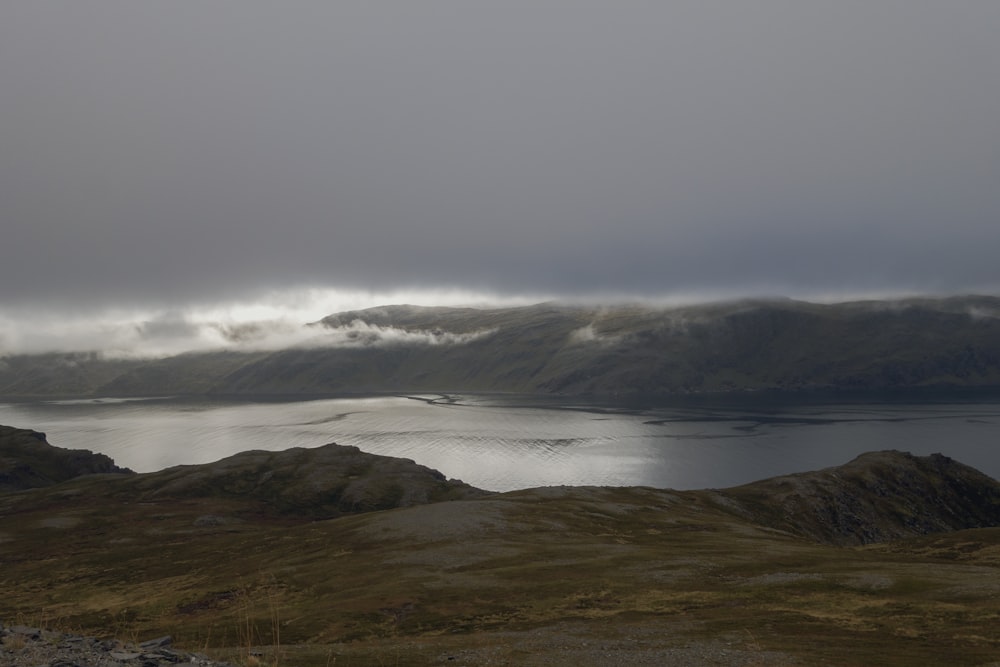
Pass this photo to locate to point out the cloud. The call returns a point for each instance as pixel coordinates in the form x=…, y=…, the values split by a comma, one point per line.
x=166, y=327
x=588, y=335
x=164, y=156
x=173, y=335
x=362, y=334
x=284, y=319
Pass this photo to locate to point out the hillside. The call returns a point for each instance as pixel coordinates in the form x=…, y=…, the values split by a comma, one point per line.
x=317, y=483
x=28, y=461
x=878, y=497
x=229, y=558
x=780, y=345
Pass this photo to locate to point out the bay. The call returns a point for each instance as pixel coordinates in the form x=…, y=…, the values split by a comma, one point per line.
x=506, y=442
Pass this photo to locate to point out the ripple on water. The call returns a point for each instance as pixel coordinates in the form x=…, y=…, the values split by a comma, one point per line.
x=501, y=447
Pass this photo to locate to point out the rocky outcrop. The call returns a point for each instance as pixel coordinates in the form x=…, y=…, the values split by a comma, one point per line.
x=316, y=483
x=877, y=497
x=28, y=461
x=299, y=483
x=24, y=646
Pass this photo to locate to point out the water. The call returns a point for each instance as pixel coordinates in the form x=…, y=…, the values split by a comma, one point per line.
x=504, y=443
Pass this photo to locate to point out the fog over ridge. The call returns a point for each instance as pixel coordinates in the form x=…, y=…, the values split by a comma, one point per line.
x=277, y=321
x=168, y=337
x=293, y=320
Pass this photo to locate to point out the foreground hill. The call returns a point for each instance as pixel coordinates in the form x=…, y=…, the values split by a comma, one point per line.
x=877, y=497
x=222, y=555
x=28, y=461
x=308, y=484
x=547, y=348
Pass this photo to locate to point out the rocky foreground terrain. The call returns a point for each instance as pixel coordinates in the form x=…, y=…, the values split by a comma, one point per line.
x=23, y=646
x=331, y=556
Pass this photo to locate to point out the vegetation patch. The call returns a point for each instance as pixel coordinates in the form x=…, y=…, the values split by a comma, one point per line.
x=543, y=574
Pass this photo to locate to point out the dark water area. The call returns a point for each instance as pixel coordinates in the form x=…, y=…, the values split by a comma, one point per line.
x=510, y=442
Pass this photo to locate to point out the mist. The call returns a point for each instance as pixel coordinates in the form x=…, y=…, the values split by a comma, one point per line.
x=288, y=319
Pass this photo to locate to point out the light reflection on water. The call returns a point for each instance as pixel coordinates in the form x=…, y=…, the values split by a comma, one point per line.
x=504, y=443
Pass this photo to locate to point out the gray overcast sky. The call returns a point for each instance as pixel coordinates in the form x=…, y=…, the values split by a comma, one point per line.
x=168, y=153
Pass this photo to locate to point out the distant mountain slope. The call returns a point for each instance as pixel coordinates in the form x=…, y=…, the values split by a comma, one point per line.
x=554, y=349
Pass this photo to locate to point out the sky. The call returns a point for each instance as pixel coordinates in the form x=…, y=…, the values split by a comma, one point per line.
x=164, y=163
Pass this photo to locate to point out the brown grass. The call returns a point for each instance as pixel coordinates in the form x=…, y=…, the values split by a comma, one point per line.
x=584, y=567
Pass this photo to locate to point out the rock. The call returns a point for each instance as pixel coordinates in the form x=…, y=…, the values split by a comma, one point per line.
x=54, y=649
x=31, y=633
x=123, y=655
x=169, y=656
x=27, y=461
x=156, y=643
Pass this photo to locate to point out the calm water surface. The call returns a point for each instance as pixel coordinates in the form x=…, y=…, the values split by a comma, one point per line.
x=504, y=443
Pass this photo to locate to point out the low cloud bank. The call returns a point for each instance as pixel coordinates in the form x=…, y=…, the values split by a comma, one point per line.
x=290, y=318
x=589, y=335
x=173, y=333
x=125, y=335
x=270, y=321
x=360, y=333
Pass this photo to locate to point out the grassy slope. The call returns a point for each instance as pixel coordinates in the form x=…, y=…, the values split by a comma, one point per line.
x=529, y=577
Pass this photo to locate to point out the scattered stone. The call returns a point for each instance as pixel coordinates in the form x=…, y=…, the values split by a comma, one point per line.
x=122, y=655
x=32, y=633
x=23, y=646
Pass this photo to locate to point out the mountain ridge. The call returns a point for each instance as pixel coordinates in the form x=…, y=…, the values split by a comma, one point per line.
x=876, y=497
x=549, y=348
